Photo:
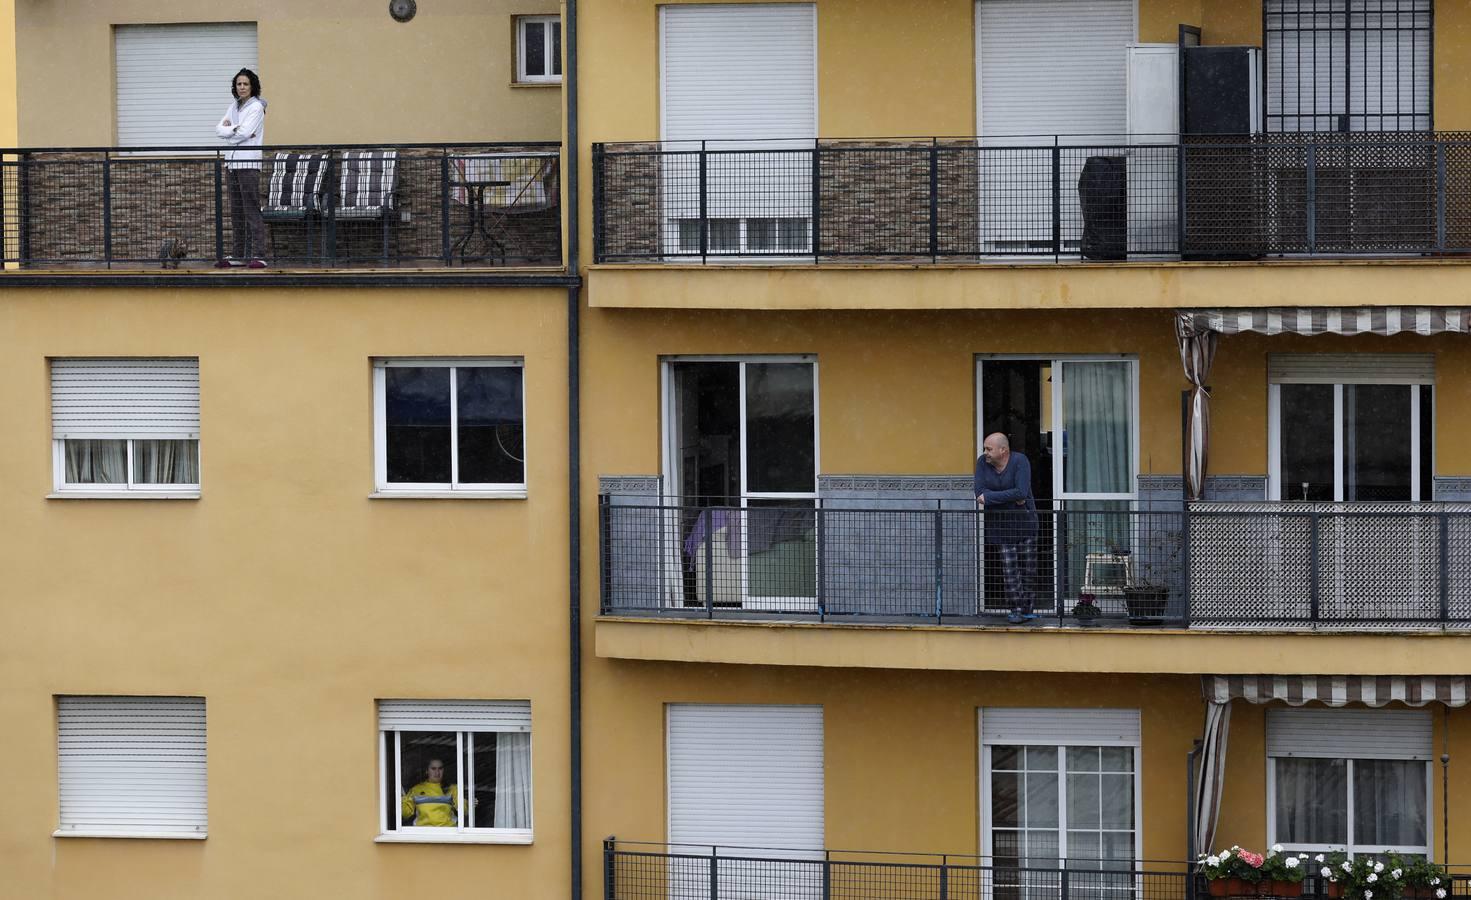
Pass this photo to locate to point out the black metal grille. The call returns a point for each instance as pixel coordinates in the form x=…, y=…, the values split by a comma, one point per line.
x=1353, y=565
x=459, y=205
x=1348, y=65
x=1310, y=194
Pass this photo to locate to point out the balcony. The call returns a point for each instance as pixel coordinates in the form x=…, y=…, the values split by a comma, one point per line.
x=327, y=207
x=1287, y=566
x=1049, y=199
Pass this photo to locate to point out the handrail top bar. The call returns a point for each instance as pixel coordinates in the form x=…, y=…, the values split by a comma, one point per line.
x=618, y=842
x=1324, y=136
x=215, y=148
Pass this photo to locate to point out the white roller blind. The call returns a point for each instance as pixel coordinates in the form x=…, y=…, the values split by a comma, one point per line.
x=132, y=765
x=1351, y=368
x=739, y=71
x=1350, y=733
x=1053, y=66
x=1005, y=725
x=454, y=715
x=125, y=398
x=173, y=81
x=746, y=776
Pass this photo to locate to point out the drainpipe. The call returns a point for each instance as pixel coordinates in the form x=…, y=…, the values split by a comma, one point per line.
x=574, y=447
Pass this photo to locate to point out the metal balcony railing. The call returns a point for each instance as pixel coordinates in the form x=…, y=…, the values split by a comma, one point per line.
x=651, y=871
x=1355, y=565
x=1055, y=197
x=325, y=206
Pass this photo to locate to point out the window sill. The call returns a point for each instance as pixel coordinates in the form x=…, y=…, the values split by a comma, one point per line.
x=123, y=495
x=143, y=835
x=523, y=839
x=448, y=495
x=537, y=84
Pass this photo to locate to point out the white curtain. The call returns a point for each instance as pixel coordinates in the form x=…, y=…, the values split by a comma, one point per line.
x=1211, y=776
x=1096, y=415
x=1311, y=800
x=512, y=780
x=165, y=462
x=96, y=461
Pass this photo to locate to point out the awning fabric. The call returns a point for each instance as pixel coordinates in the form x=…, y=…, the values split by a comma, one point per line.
x=1383, y=320
x=1337, y=690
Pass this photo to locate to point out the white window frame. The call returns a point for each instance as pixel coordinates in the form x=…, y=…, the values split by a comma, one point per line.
x=1428, y=851
x=460, y=833
x=548, y=52
x=453, y=488
x=129, y=490
x=1274, y=438
x=1061, y=746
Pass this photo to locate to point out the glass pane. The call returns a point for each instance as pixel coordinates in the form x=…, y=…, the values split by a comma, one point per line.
x=557, y=48
x=792, y=233
x=1082, y=845
x=760, y=234
x=781, y=548
x=1312, y=801
x=1118, y=801
x=1118, y=845
x=725, y=236
x=166, y=462
x=1118, y=759
x=1097, y=418
x=416, y=404
x=1005, y=800
x=1041, y=847
x=1082, y=759
x=490, y=434
x=1376, y=441
x=431, y=793
x=1389, y=802
x=1041, y=800
x=1042, y=759
x=1006, y=846
x=1082, y=801
x=1006, y=758
x=780, y=427
x=96, y=462
x=1307, y=441
x=536, y=49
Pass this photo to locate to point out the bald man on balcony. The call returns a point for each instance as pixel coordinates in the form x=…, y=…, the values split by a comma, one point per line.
x=1009, y=514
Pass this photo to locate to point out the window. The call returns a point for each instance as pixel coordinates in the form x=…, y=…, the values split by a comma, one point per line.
x=172, y=80
x=122, y=426
x=449, y=426
x=131, y=767
x=1346, y=427
x=1348, y=65
x=1061, y=785
x=539, y=49
x=1349, y=779
x=455, y=770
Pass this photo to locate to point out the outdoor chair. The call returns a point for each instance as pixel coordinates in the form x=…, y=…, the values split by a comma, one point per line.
x=295, y=193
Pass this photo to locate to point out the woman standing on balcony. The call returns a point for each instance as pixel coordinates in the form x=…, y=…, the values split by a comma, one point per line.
x=244, y=126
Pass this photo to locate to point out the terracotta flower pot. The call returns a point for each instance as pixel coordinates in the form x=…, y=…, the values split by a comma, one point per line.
x=1333, y=889
x=1287, y=888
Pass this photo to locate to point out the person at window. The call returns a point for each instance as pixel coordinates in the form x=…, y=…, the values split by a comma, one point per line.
x=244, y=128
x=431, y=802
x=1009, y=513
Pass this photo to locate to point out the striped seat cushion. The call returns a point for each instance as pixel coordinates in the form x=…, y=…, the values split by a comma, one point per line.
x=367, y=183
x=296, y=184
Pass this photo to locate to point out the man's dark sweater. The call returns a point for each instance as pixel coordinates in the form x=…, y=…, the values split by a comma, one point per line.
x=1010, y=513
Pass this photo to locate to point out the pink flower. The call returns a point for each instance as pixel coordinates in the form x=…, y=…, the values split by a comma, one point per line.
x=1251, y=859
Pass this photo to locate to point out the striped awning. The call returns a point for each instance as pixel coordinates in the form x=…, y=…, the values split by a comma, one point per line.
x=1347, y=320
x=1337, y=690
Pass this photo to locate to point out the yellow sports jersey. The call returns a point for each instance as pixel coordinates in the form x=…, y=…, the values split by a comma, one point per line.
x=431, y=805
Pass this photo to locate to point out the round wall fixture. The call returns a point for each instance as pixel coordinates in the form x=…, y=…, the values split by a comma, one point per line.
x=402, y=10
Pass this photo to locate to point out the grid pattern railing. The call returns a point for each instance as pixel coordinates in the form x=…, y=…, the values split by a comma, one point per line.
x=943, y=561
x=958, y=199
x=324, y=206
x=639, y=871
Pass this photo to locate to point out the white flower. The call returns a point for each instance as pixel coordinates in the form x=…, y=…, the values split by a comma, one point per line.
x=1372, y=878
x=1379, y=867
x=1346, y=866
x=1435, y=880
x=1276, y=848
x=1440, y=893
x=1291, y=862
x=1318, y=858
x=1368, y=895
x=1395, y=873
x=1213, y=860
x=1326, y=872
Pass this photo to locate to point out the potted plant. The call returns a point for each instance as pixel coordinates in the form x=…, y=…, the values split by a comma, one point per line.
x=1421, y=878
x=1364, y=877
x=1232, y=873
x=1282, y=873
x=1148, y=596
x=1086, y=610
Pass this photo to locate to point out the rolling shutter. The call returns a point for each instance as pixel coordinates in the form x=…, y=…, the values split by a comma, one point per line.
x=125, y=398
x=1350, y=733
x=454, y=715
x=746, y=776
x=1351, y=368
x=173, y=81
x=1057, y=727
x=739, y=71
x=132, y=765
x=1054, y=66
